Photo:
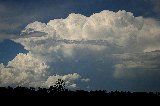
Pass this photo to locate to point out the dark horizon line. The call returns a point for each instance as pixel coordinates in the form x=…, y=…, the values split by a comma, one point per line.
x=61, y=91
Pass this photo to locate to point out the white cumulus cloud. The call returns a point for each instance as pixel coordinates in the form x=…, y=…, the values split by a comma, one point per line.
x=26, y=70
x=69, y=80
x=23, y=70
x=87, y=42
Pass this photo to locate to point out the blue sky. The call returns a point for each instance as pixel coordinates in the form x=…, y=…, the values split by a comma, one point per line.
x=15, y=15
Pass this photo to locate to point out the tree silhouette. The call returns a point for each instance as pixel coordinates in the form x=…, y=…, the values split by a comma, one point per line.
x=60, y=85
x=59, y=90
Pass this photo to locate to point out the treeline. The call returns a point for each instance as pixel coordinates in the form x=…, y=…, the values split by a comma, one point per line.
x=23, y=91
x=59, y=90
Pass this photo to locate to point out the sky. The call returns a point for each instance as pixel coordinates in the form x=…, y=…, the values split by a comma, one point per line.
x=91, y=44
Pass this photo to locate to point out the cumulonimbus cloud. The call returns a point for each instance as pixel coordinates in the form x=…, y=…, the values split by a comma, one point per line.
x=80, y=38
x=25, y=70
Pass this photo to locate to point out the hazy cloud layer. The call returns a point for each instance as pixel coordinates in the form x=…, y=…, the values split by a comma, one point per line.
x=156, y=6
x=138, y=65
x=113, y=44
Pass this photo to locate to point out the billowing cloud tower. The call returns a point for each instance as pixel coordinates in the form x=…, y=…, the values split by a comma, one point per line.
x=113, y=45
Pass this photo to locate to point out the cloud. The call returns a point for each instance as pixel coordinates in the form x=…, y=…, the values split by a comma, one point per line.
x=107, y=30
x=138, y=65
x=6, y=36
x=26, y=70
x=93, y=46
x=156, y=4
x=14, y=16
x=69, y=80
x=2, y=8
x=85, y=80
x=153, y=8
x=22, y=70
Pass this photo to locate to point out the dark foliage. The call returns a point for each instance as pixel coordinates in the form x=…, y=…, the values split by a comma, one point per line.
x=59, y=90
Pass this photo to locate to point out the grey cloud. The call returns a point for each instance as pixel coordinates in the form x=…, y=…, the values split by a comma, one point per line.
x=138, y=65
x=156, y=4
x=14, y=17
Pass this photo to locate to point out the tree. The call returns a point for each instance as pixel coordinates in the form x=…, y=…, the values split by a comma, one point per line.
x=60, y=85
